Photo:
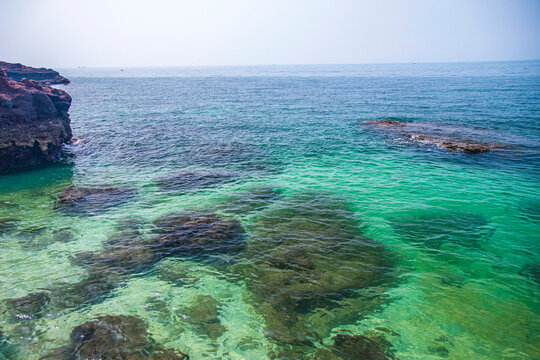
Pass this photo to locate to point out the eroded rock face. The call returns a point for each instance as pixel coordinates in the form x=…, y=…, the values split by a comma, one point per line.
x=34, y=123
x=424, y=133
x=17, y=72
x=306, y=258
x=82, y=200
x=114, y=337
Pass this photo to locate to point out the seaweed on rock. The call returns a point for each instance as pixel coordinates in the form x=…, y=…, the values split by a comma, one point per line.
x=82, y=200
x=204, y=315
x=178, y=235
x=305, y=255
x=114, y=337
x=355, y=347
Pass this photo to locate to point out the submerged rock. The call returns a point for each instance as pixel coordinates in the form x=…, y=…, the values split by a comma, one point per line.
x=29, y=306
x=82, y=200
x=7, y=349
x=250, y=201
x=186, y=180
x=17, y=72
x=197, y=234
x=307, y=254
x=355, y=347
x=434, y=134
x=114, y=337
x=180, y=235
x=532, y=272
x=8, y=224
x=433, y=229
x=34, y=123
x=242, y=156
x=204, y=314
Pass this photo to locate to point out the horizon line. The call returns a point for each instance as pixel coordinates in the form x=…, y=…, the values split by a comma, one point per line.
x=294, y=64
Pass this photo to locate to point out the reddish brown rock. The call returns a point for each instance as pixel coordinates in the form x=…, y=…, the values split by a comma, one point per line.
x=34, y=123
x=422, y=133
x=17, y=72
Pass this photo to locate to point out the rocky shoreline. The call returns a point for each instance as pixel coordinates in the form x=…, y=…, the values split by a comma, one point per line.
x=34, y=123
x=17, y=72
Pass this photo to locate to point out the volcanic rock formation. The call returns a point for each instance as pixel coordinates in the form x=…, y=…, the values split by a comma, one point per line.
x=17, y=72
x=34, y=123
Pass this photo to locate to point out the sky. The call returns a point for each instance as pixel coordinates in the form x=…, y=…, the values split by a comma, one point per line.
x=101, y=33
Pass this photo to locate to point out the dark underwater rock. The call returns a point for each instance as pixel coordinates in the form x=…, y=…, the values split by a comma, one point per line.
x=176, y=273
x=197, y=234
x=29, y=306
x=94, y=288
x=8, y=224
x=17, y=72
x=82, y=200
x=433, y=229
x=34, y=123
x=250, y=201
x=241, y=156
x=307, y=254
x=114, y=337
x=180, y=235
x=424, y=133
x=186, y=180
x=204, y=314
x=62, y=296
x=355, y=347
x=532, y=272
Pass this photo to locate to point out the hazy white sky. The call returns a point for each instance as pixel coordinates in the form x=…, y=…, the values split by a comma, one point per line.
x=69, y=33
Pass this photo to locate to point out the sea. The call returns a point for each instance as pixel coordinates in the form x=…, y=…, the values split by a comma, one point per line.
x=348, y=236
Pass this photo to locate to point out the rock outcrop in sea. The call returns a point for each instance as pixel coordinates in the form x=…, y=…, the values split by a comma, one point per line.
x=17, y=72
x=425, y=133
x=34, y=123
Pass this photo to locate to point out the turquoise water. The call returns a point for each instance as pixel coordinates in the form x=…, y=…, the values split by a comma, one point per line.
x=348, y=229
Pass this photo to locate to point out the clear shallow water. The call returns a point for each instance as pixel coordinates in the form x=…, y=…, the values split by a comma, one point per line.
x=294, y=164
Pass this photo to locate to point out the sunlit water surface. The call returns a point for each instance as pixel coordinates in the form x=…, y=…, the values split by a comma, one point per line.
x=458, y=276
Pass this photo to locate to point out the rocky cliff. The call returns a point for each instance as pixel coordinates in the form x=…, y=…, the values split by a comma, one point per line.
x=34, y=123
x=18, y=72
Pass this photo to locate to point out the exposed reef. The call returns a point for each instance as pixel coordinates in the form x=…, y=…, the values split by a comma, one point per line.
x=440, y=135
x=119, y=337
x=17, y=72
x=34, y=123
